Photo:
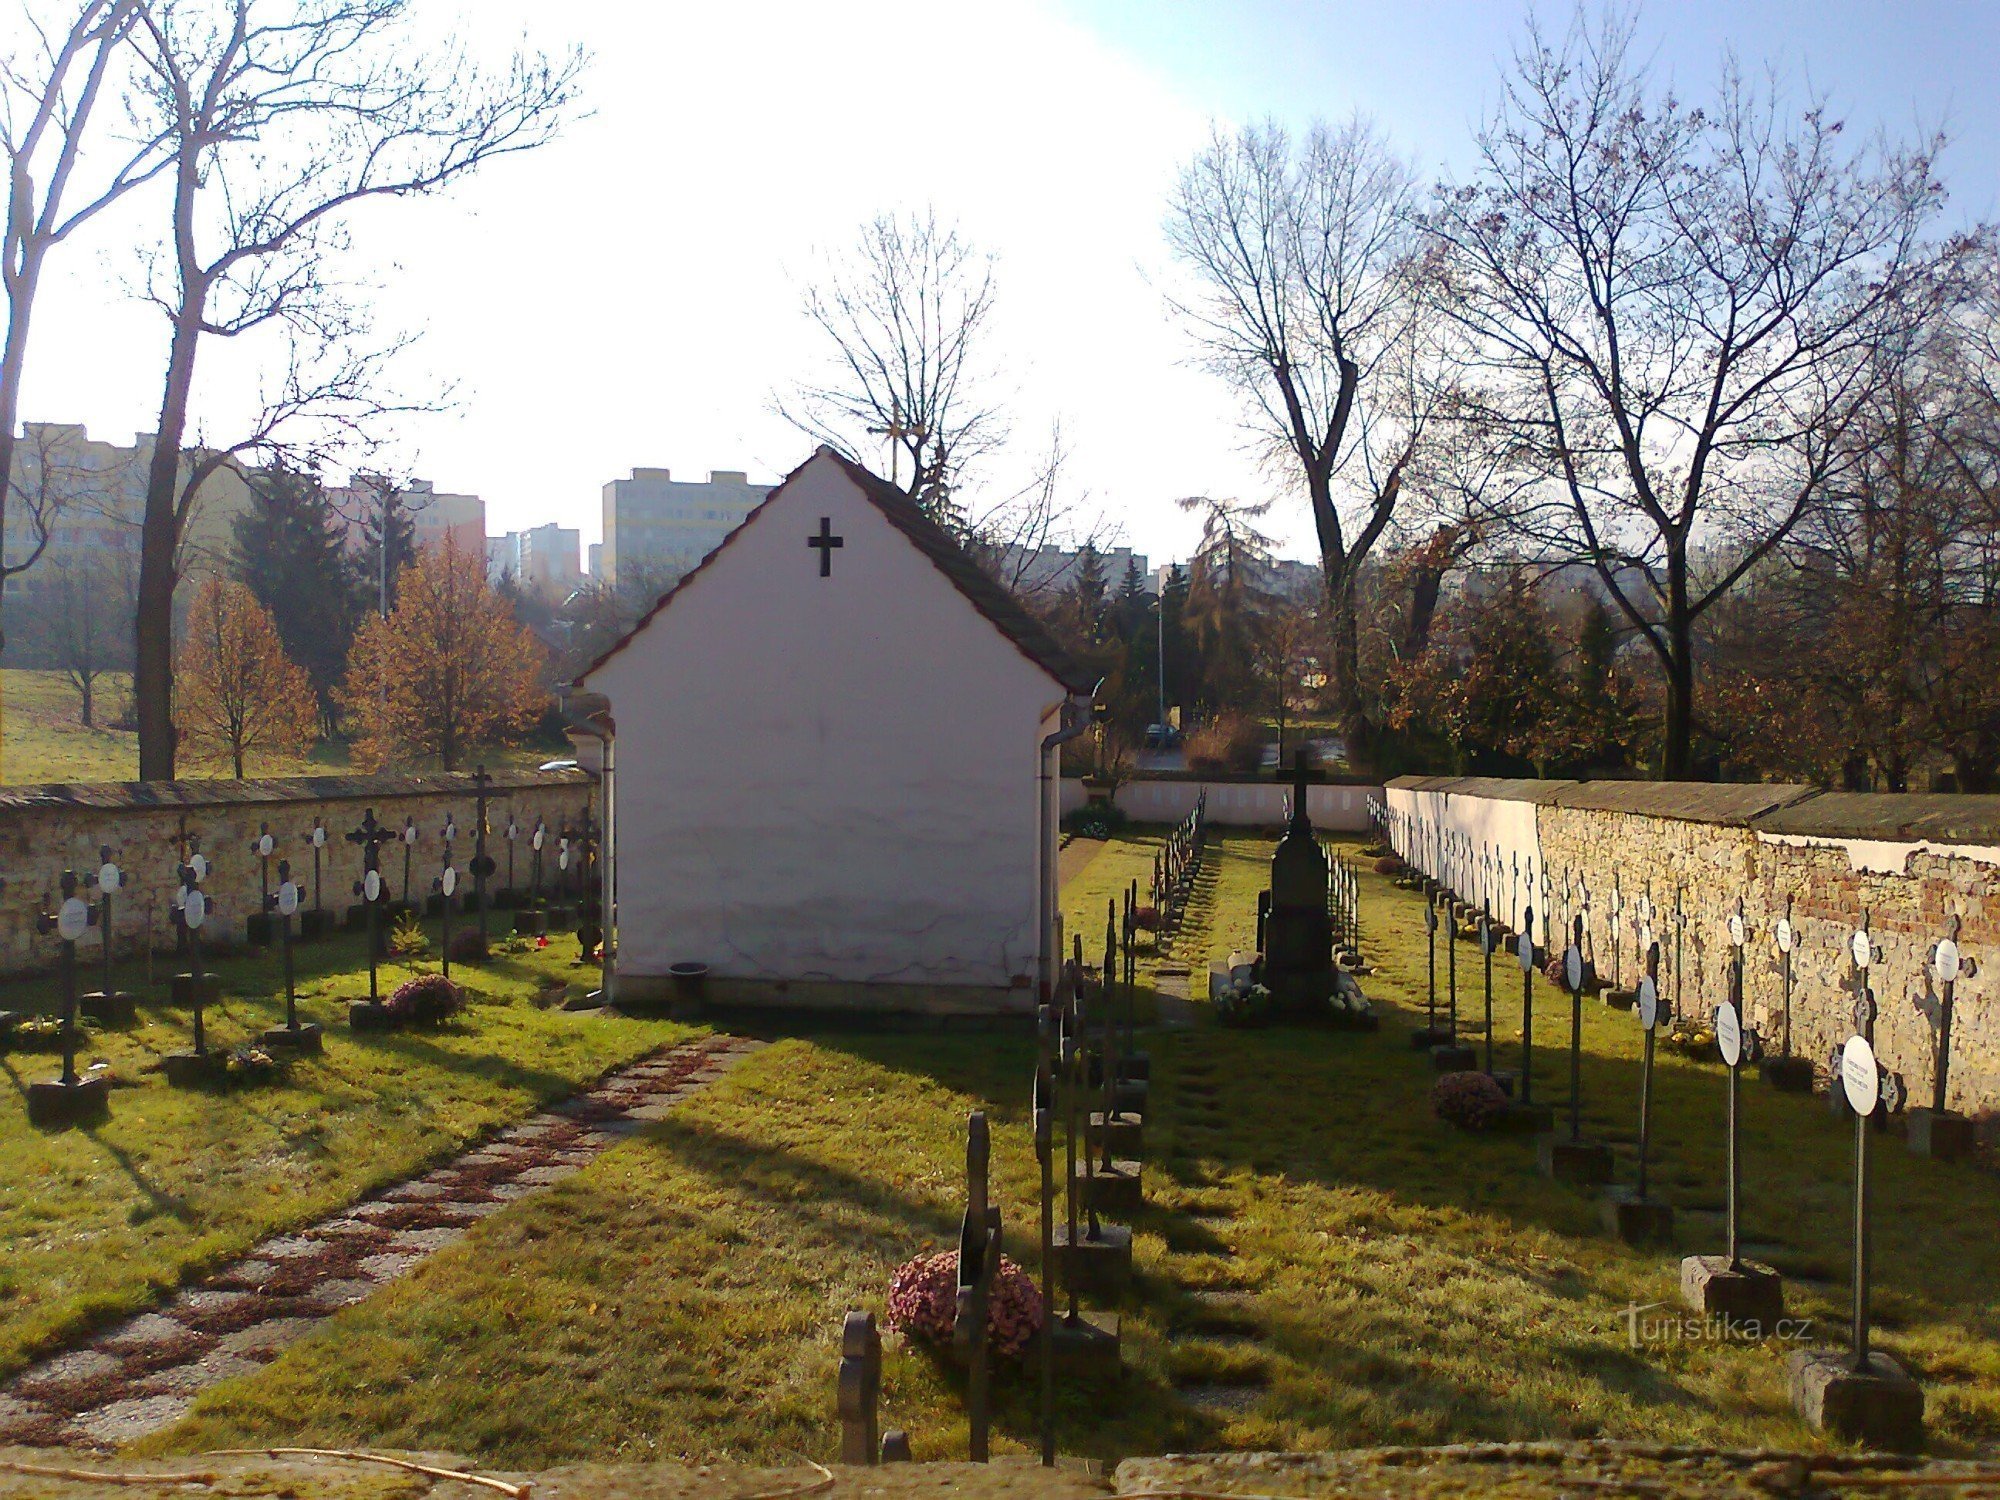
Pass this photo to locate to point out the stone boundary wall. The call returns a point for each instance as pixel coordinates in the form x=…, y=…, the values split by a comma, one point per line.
x=1264, y=802
x=1909, y=863
x=45, y=828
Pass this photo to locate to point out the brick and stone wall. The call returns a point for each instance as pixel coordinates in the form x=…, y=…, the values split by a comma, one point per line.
x=43, y=829
x=1909, y=864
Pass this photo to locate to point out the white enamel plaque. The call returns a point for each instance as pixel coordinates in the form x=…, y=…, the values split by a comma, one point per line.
x=73, y=919
x=195, y=912
x=1786, y=937
x=109, y=877
x=1729, y=1034
x=1859, y=1076
x=371, y=885
x=1649, y=1003
x=288, y=898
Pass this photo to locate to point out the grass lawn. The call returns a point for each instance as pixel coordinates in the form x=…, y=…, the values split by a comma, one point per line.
x=99, y=1221
x=41, y=739
x=1347, y=1269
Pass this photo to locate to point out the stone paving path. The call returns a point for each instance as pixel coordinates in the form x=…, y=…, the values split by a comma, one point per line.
x=144, y=1374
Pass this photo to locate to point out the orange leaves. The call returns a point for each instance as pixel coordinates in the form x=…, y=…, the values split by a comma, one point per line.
x=449, y=670
x=235, y=689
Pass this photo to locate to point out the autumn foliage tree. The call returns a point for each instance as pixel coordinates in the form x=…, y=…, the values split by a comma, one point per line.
x=448, y=670
x=235, y=688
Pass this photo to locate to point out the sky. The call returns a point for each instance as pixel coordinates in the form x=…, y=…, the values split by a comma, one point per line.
x=630, y=295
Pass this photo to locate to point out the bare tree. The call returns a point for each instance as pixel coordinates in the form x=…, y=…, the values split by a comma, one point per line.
x=281, y=116
x=1304, y=298
x=905, y=314
x=79, y=622
x=1011, y=535
x=1669, y=309
x=50, y=91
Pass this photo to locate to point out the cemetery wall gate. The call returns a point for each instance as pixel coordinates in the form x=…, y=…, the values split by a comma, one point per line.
x=45, y=828
x=1908, y=863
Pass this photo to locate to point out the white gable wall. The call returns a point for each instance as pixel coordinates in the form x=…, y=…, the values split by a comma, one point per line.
x=826, y=779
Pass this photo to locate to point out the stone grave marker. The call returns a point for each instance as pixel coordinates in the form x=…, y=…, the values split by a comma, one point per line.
x=1572, y=1158
x=1935, y=1130
x=108, y=1005
x=197, y=1066
x=1784, y=1070
x=69, y=1097
x=369, y=836
x=859, y=1389
x=257, y=930
x=1633, y=1214
x=978, y=1261
x=296, y=1035
x=314, y=924
x=1749, y=1295
x=1861, y=1395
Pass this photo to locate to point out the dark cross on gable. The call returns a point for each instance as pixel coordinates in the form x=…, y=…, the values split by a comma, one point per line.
x=826, y=541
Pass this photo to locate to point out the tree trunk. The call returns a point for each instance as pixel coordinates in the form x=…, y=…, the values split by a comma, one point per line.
x=1677, y=743
x=1349, y=710
x=13, y=360
x=88, y=721
x=153, y=664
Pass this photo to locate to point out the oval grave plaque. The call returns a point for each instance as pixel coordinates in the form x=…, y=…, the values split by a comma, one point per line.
x=288, y=898
x=1735, y=924
x=265, y=844
x=318, y=837
x=1859, y=1076
x=109, y=877
x=198, y=863
x=371, y=885
x=1649, y=1003
x=195, y=912
x=1861, y=948
x=1526, y=948
x=1944, y=963
x=448, y=882
x=1729, y=1033
x=1786, y=938
x=73, y=919
x=1573, y=967
x=409, y=833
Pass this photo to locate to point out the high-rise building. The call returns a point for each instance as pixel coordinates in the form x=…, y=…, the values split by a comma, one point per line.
x=435, y=516
x=542, y=560
x=654, y=523
x=95, y=495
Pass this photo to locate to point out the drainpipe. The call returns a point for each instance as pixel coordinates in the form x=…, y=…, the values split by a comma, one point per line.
x=579, y=712
x=1076, y=717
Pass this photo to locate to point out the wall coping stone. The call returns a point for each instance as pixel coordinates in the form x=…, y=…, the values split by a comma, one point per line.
x=1734, y=803
x=110, y=795
x=1952, y=818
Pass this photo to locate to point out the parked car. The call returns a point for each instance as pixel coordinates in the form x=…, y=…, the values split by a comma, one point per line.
x=1162, y=737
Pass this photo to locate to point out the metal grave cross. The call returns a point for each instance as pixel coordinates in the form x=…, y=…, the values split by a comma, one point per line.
x=69, y=921
x=978, y=1260
x=825, y=542
x=1946, y=967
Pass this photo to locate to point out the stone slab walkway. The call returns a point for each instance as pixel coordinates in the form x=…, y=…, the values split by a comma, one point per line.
x=143, y=1374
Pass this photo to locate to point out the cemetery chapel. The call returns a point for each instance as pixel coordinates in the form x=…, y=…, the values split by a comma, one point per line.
x=833, y=750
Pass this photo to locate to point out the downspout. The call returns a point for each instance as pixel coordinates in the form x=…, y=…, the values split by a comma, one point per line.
x=582, y=721
x=1076, y=717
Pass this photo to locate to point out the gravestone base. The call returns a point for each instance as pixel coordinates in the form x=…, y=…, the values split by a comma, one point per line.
x=180, y=989
x=1128, y=1096
x=53, y=1102
x=1526, y=1119
x=1089, y=1347
x=117, y=1008
x=1454, y=1057
x=1788, y=1075
x=1751, y=1299
x=1881, y=1408
x=1636, y=1220
x=1585, y=1163
x=1100, y=1267
x=259, y=931
x=1508, y=1080
x=1426, y=1037
x=195, y=1070
x=560, y=915
x=1119, y=1190
x=1135, y=1065
x=305, y=1038
x=1127, y=1132
x=530, y=921
x=1940, y=1134
x=314, y=925
x=356, y=917
x=1620, y=998
x=369, y=1015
